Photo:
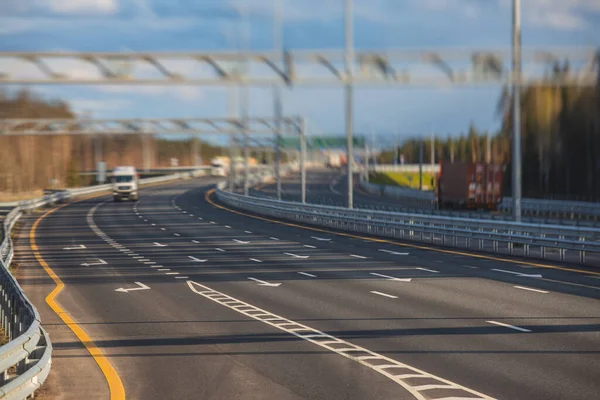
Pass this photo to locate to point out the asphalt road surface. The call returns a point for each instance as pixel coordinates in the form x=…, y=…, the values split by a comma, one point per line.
x=190, y=300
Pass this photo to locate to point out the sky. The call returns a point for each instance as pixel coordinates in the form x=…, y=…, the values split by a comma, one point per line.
x=214, y=25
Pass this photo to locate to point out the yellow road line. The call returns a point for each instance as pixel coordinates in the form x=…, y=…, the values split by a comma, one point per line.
x=375, y=240
x=117, y=391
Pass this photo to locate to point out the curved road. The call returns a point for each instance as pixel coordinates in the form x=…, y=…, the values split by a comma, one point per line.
x=230, y=306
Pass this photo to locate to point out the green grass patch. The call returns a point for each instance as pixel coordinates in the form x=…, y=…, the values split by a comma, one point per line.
x=404, y=179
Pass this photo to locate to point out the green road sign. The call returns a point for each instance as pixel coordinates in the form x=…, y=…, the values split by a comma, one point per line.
x=320, y=142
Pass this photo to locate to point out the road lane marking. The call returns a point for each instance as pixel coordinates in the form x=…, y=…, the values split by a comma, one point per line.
x=219, y=249
x=357, y=256
x=469, y=266
x=156, y=244
x=320, y=239
x=273, y=238
x=182, y=277
x=141, y=286
x=309, y=246
x=295, y=255
x=255, y=260
x=391, y=278
x=366, y=239
x=149, y=262
x=176, y=234
x=531, y=289
x=393, y=252
x=516, y=328
x=172, y=273
x=240, y=241
x=115, y=385
x=520, y=274
x=307, y=274
x=227, y=226
x=264, y=283
x=212, y=222
x=384, y=294
x=79, y=247
x=247, y=232
x=195, y=241
x=428, y=270
x=164, y=269
x=153, y=224
x=163, y=229
x=196, y=259
x=100, y=262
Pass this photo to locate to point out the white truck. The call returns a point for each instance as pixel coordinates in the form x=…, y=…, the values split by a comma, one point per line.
x=125, y=182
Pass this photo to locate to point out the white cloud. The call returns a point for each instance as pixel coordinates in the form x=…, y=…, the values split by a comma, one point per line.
x=80, y=6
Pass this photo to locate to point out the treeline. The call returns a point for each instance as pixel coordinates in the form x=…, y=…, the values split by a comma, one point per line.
x=29, y=163
x=560, y=129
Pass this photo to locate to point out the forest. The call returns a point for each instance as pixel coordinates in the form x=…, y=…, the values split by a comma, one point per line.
x=560, y=128
x=31, y=163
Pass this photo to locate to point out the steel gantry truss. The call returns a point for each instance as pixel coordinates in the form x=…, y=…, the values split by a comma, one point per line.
x=207, y=126
x=320, y=68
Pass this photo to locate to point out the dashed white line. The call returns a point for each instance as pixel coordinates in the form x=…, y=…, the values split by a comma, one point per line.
x=240, y=241
x=516, y=328
x=176, y=234
x=273, y=238
x=295, y=255
x=309, y=246
x=172, y=273
x=218, y=249
x=212, y=222
x=384, y=294
x=163, y=269
x=357, y=256
x=163, y=229
x=247, y=232
x=255, y=260
x=469, y=266
x=200, y=218
x=149, y=262
x=195, y=241
x=428, y=270
x=153, y=224
x=393, y=252
x=227, y=226
x=531, y=289
x=182, y=277
x=307, y=274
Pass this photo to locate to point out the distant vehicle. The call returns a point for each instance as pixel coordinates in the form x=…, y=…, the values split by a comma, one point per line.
x=125, y=182
x=218, y=169
x=469, y=186
x=334, y=161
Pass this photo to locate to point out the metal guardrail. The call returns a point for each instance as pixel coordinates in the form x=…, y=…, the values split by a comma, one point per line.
x=26, y=359
x=537, y=208
x=529, y=240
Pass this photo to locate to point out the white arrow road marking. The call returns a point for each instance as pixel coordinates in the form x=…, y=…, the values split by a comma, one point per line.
x=391, y=278
x=80, y=247
x=156, y=244
x=263, y=283
x=307, y=274
x=393, y=252
x=516, y=328
x=320, y=239
x=240, y=241
x=295, y=255
x=428, y=270
x=196, y=259
x=384, y=294
x=518, y=273
x=140, y=284
x=100, y=262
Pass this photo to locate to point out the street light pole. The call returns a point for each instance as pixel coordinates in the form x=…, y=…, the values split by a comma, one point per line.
x=516, y=112
x=278, y=45
x=349, y=34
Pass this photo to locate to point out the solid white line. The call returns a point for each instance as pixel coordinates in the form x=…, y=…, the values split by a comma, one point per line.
x=508, y=326
x=357, y=256
x=307, y=274
x=531, y=289
x=428, y=270
x=256, y=260
x=384, y=294
x=218, y=249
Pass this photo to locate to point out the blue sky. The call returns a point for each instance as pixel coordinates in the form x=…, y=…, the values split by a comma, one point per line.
x=185, y=25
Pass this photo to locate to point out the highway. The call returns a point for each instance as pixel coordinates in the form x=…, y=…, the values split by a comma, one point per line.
x=188, y=299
